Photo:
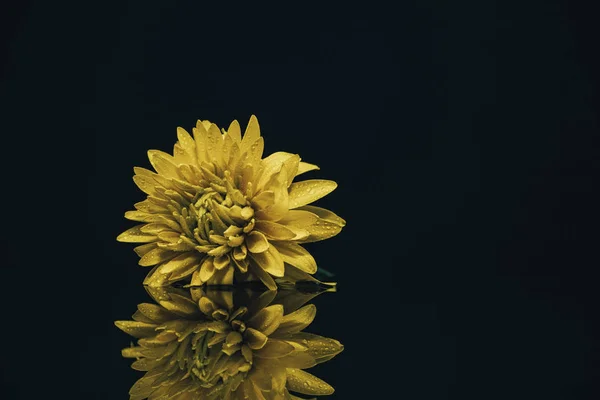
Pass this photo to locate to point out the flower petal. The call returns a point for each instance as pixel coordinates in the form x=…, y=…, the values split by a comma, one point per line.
x=141, y=216
x=235, y=132
x=221, y=261
x=163, y=163
x=146, y=184
x=270, y=261
x=188, y=145
x=214, y=144
x=143, y=387
x=298, y=320
x=144, y=249
x=274, y=349
x=321, y=348
x=274, y=230
x=297, y=256
x=305, y=192
x=257, y=242
x=136, y=329
x=135, y=235
x=299, y=218
x=302, y=382
x=263, y=200
x=274, y=163
x=233, y=338
x=156, y=256
x=305, y=167
x=155, y=312
x=301, y=360
x=265, y=278
x=181, y=262
x=222, y=277
x=280, y=207
x=207, y=269
x=201, y=139
x=251, y=134
x=321, y=230
x=267, y=320
x=255, y=339
x=325, y=214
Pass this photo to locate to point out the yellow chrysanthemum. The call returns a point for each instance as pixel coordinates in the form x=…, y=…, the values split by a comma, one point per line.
x=211, y=349
x=216, y=209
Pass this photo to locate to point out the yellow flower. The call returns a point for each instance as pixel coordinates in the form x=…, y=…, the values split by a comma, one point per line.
x=211, y=349
x=216, y=209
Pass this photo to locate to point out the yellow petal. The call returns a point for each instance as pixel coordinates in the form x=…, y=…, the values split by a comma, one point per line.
x=325, y=214
x=163, y=163
x=301, y=360
x=233, y=338
x=298, y=320
x=155, y=229
x=302, y=382
x=135, y=235
x=201, y=139
x=141, y=216
x=270, y=261
x=256, y=242
x=195, y=280
x=274, y=230
x=256, y=150
x=184, y=272
x=180, y=262
x=240, y=252
x=207, y=269
x=156, y=256
x=146, y=184
x=321, y=348
x=242, y=265
x=221, y=261
x=305, y=167
x=226, y=149
x=214, y=144
x=151, y=207
x=297, y=256
x=321, y=230
x=267, y=320
x=235, y=132
x=219, y=251
x=144, y=249
x=222, y=277
x=305, y=192
x=280, y=205
x=274, y=163
x=136, y=329
x=187, y=143
x=251, y=134
x=263, y=200
x=274, y=349
x=263, y=276
x=155, y=312
x=299, y=218
x=254, y=339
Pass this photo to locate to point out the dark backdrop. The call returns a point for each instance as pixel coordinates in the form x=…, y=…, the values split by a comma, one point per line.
x=464, y=140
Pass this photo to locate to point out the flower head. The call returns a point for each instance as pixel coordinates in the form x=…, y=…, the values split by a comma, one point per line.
x=214, y=349
x=217, y=209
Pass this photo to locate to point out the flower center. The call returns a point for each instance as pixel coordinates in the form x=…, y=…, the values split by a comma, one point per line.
x=221, y=217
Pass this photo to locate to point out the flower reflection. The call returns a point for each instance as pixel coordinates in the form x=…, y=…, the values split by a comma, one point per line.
x=202, y=343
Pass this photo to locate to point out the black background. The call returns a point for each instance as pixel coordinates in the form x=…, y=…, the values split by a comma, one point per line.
x=464, y=140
